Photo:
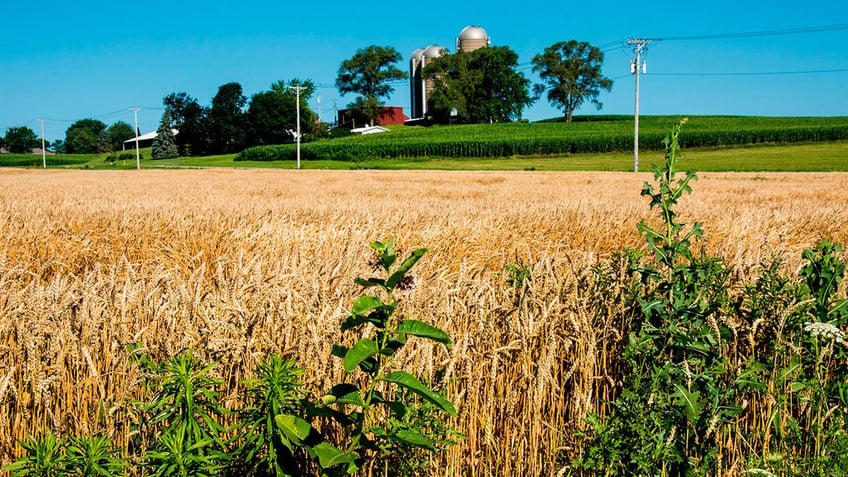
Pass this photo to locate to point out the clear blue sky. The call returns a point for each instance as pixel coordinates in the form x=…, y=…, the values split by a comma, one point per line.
x=65, y=61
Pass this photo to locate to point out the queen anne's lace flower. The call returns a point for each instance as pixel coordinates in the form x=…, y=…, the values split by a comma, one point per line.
x=825, y=331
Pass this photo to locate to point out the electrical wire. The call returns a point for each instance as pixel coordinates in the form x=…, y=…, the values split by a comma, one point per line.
x=785, y=31
x=759, y=73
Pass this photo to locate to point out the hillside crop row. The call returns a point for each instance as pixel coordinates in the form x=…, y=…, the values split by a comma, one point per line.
x=550, y=139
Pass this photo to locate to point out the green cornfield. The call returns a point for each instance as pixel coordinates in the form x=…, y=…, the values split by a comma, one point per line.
x=599, y=135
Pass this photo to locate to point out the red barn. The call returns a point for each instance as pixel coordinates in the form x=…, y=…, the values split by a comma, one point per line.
x=389, y=115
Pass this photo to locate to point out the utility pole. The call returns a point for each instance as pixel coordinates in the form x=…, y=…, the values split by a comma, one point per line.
x=43, y=152
x=637, y=66
x=297, y=90
x=137, y=153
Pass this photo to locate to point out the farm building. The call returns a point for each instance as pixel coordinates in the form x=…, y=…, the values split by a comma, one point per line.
x=389, y=115
x=145, y=140
x=470, y=38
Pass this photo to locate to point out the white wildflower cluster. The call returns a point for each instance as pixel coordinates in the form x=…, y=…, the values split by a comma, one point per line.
x=825, y=331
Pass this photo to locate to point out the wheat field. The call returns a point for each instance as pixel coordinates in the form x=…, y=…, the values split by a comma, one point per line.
x=239, y=263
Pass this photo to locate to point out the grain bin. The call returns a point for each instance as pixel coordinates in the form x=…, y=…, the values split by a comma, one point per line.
x=416, y=84
x=472, y=38
x=420, y=88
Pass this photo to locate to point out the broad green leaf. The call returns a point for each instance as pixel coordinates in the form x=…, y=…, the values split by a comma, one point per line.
x=364, y=304
x=690, y=402
x=796, y=386
x=424, y=330
x=370, y=282
x=408, y=381
x=346, y=393
x=362, y=350
x=415, y=439
x=339, y=351
x=353, y=321
x=331, y=456
x=404, y=267
x=294, y=428
x=398, y=408
x=388, y=255
x=396, y=342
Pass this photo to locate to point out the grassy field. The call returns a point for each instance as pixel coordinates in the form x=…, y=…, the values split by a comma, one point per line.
x=236, y=264
x=827, y=156
x=594, y=143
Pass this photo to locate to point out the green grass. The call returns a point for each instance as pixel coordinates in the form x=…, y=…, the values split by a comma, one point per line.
x=776, y=158
x=830, y=156
x=825, y=155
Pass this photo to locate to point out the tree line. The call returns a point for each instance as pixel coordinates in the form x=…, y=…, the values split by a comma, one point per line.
x=86, y=136
x=484, y=85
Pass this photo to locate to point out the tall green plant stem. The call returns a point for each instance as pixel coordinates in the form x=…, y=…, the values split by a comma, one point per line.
x=354, y=444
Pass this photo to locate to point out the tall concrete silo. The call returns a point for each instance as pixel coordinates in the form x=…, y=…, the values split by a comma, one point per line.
x=416, y=84
x=471, y=38
x=419, y=87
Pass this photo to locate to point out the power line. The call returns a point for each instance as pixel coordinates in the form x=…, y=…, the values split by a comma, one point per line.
x=785, y=31
x=762, y=73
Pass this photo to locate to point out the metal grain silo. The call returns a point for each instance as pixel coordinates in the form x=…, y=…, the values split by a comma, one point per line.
x=419, y=87
x=472, y=38
x=430, y=53
x=416, y=84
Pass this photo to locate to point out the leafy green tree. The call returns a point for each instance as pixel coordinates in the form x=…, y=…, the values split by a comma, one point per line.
x=272, y=113
x=118, y=133
x=226, y=119
x=191, y=120
x=81, y=136
x=571, y=74
x=59, y=146
x=369, y=73
x=482, y=85
x=83, y=142
x=20, y=139
x=164, y=144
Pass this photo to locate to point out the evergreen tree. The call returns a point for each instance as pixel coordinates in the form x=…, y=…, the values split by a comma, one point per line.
x=164, y=145
x=104, y=142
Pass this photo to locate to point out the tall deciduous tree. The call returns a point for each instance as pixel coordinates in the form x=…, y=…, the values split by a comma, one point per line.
x=190, y=119
x=571, y=74
x=119, y=132
x=83, y=142
x=482, y=85
x=20, y=139
x=226, y=119
x=164, y=145
x=81, y=136
x=369, y=73
x=272, y=113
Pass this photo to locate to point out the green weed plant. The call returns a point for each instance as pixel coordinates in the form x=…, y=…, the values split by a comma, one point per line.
x=700, y=349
